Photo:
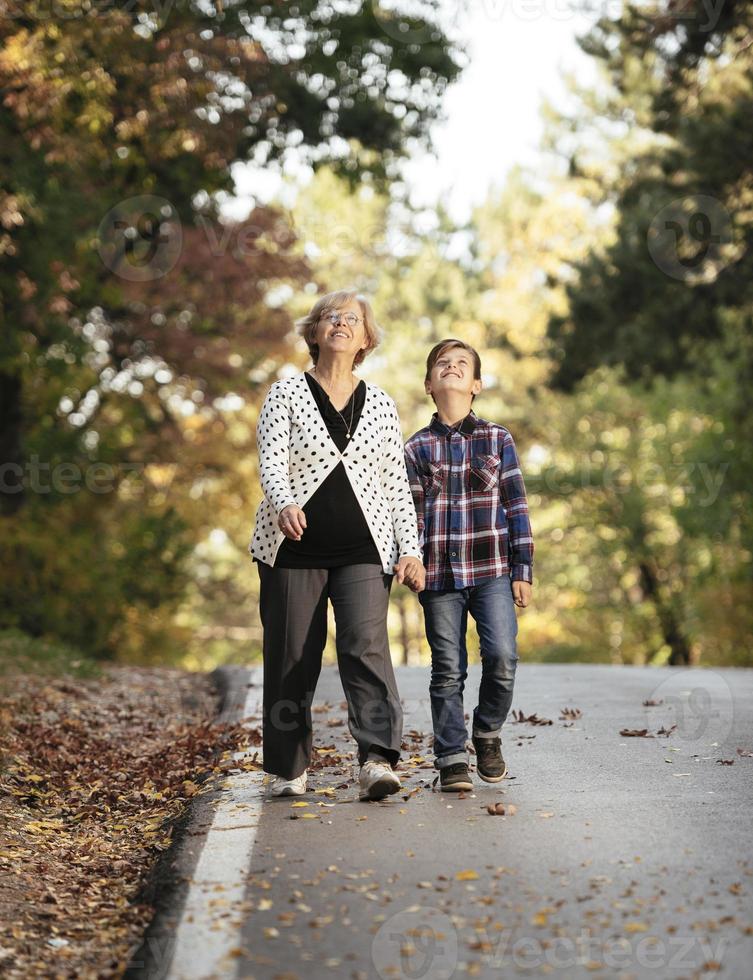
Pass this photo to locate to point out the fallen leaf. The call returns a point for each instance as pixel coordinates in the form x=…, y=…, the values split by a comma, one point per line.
x=320, y=921
x=501, y=809
x=666, y=732
x=534, y=719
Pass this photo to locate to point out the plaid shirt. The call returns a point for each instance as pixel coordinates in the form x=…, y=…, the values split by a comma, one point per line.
x=470, y=502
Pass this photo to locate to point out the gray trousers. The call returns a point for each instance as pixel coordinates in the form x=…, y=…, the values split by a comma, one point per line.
x=293, y=609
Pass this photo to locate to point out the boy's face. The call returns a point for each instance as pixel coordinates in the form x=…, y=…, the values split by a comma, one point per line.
x=453, y=373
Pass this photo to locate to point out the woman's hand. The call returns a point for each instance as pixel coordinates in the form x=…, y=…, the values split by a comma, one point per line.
x=412, y=572
x=292, y=522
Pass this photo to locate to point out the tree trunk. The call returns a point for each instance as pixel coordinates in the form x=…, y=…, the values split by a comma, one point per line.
x=673, y=634
x=11, y=481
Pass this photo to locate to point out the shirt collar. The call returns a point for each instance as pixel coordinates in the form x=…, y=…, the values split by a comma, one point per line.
x=465, y=427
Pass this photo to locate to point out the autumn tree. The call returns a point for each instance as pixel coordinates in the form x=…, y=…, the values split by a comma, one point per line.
x=128, y=306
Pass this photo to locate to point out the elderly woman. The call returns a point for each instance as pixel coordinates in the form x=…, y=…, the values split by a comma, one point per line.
x=337, y=522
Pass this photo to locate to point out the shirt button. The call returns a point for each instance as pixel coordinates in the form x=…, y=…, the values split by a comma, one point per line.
x=453, y=554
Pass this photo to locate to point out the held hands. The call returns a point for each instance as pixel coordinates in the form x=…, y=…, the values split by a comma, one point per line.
x=411, y=571
x=521, y=593
x=292, y=522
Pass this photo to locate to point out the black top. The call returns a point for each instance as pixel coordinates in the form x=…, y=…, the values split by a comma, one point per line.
x=336, y=532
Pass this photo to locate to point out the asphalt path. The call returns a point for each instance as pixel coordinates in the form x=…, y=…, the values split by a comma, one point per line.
x=618, y=855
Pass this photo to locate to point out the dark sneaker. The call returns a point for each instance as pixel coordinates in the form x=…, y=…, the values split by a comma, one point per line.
x=454, y=778
x=489, y=762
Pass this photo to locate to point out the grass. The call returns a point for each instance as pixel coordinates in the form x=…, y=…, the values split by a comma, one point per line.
x=24, y=654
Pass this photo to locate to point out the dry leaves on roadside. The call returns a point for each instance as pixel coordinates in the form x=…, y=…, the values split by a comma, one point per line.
x=94, y=775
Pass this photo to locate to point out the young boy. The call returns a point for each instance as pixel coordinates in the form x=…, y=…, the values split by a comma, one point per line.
x=478, y=553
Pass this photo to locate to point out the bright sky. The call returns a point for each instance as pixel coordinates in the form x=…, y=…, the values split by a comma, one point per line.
x=517, y=51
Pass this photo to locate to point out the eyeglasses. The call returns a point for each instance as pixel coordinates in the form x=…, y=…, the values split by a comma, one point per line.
x=334, y=317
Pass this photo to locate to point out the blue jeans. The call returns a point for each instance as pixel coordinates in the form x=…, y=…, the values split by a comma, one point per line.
x=446, y=617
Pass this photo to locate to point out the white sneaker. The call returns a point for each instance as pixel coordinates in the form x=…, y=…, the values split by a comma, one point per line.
x=289, y=787
x=377, y=780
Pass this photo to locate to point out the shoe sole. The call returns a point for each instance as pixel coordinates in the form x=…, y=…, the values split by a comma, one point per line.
x=379, y=789
x=289, y=792
x=457, y=787
x=491, y=779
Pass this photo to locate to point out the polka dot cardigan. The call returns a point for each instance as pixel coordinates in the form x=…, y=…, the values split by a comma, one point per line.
x=297, y=453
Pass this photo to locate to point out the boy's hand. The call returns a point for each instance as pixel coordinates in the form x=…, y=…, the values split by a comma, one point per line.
x=521, y=593
x=412, y=572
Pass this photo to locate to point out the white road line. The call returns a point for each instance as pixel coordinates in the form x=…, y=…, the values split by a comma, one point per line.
x=212, y=916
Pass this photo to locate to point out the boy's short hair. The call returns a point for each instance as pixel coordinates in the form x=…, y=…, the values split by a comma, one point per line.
x=436, y=352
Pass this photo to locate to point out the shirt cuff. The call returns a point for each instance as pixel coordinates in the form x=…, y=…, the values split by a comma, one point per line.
x=522, y=573
x=287, y=503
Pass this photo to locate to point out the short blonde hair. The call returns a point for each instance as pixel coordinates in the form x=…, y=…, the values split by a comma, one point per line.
x=332, y=301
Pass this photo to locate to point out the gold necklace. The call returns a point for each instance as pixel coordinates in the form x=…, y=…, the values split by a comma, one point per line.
x=352, y=404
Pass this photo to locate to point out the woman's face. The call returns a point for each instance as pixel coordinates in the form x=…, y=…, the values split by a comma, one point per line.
x=343, y=334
